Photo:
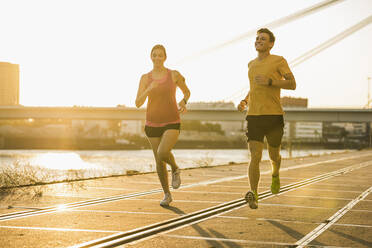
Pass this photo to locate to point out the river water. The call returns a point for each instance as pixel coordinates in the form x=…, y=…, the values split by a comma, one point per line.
x=103, y=163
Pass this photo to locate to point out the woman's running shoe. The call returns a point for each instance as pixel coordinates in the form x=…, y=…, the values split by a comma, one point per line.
x=252, y=199
x=176, y=179
x=167, y=199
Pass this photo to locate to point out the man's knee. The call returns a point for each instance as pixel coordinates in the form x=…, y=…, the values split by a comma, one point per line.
x=255, y=149
x=274, y=153
x=275, y=157
x=256, y=156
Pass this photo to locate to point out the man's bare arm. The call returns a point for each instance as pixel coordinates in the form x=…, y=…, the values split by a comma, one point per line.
x=289, y=83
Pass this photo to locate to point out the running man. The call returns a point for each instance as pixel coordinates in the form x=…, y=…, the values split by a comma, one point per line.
x=163, y=116
x=267, y=74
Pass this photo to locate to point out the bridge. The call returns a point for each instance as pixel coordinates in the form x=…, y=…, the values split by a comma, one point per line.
x=123, y=113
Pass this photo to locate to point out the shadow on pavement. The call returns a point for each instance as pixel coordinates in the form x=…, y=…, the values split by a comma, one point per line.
x=293, y=233
x=231, y=244
x=355, y=239
x=204, y=233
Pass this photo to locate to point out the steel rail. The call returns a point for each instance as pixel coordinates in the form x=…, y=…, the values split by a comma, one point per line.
x=74, y=205
x=168, y=225
x=67, y=206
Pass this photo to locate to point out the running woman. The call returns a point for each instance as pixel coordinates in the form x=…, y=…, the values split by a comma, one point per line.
x=267, y=74
x=163, y=116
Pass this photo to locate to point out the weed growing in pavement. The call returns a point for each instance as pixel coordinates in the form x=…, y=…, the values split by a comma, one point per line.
x=205, y=161
x=25, y=182
x=13, y=176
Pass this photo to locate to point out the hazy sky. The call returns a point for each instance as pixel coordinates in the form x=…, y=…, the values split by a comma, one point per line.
x=93, y=52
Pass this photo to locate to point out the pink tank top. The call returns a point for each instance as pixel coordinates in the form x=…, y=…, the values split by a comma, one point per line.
x=161, y=104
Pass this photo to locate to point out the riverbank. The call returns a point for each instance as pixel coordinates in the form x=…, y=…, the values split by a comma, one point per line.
x=7, y=143
x=43, y=166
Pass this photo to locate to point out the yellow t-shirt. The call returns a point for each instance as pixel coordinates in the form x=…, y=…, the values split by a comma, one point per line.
x=264, y=99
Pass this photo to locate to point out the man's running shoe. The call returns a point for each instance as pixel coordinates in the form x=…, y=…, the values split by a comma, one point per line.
x=167, y=199
x=252, y=199
x=176, y=179
x=275, y=184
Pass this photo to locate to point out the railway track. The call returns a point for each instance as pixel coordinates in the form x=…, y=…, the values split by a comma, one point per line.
x=198, y=216
x=64, y=207
x=141, y=233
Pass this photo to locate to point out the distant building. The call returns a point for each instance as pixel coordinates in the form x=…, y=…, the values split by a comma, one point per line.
x=93, y=128
x=230, y=128
x=211, y=105
x=132, y=127
x=292, y=102
x=9, y=84
x=306, y=131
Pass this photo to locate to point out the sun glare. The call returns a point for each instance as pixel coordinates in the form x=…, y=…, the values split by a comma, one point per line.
x=62, y=161
x=61, y=207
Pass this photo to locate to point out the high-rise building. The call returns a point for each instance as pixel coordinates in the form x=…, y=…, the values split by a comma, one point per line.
x=292, y=102
x=9, y=84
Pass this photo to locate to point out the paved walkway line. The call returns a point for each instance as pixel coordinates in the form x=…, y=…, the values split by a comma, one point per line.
x=298, y=206
x=227, y=240
x=123, y=212
x=59, y=229
x=262, y=195
x=132, y=195
x=330, y=221
x=289, y=221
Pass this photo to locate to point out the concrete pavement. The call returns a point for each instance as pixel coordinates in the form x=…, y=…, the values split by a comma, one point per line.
x=108, y=206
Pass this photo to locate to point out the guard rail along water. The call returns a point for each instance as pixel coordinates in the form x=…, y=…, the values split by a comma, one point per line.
x=123, y=113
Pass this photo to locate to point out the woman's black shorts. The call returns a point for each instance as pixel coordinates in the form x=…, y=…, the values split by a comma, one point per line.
x=158, y=131
x=270, y=126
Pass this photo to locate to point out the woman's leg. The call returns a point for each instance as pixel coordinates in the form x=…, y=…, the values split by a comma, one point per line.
x=155, y=141
x=172, y=162
x=168, y=141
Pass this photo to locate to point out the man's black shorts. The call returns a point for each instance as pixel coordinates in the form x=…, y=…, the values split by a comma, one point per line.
x=271, y=126
x=158, y=131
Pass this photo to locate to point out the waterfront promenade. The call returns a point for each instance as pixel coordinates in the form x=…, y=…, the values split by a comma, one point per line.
x=324, y=201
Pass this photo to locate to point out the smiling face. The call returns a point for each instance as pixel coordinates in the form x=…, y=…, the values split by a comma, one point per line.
x=263, y=43
x=158, y=56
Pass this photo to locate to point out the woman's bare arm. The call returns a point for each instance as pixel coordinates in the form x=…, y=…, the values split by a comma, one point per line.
x=143, y=91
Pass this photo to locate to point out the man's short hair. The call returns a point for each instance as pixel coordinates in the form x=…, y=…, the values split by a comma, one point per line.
x=267, y=31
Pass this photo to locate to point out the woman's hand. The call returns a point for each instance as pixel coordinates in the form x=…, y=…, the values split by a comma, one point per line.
x=182, y=106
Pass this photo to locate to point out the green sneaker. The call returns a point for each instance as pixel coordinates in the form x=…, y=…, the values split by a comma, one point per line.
x=252, y=199
x=275, y=184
